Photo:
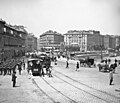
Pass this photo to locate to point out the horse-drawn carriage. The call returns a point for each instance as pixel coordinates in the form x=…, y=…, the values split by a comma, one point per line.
x=87, y=62
x=35, y=66
x=106, y=65
x=39, y=65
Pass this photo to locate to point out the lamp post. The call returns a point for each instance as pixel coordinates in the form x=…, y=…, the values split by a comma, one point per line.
x=101, y=52
x=101, y=47
x=69, y=47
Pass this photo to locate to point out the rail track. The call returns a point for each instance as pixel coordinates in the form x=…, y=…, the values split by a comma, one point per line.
x=64, y=89
x=102, y=95
x=82, y=89
x=60, y=97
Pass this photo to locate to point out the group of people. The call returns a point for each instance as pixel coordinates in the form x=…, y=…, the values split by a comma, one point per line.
x=111, y=65
x=9, y=67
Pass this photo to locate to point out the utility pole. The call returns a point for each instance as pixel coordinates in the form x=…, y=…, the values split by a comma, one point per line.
x=101, y=52
x=101, y=47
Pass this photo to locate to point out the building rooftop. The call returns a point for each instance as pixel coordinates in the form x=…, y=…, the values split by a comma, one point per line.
x=14, y=27
x=82, y=32
x=50, y=32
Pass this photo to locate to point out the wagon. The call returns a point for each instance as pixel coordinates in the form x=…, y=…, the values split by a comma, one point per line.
x=90, y=62
x=35, y=66
x=103, y=67
x=87, y=62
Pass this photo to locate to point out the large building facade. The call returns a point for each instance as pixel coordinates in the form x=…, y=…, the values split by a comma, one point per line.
x=86, y=40
x=31, y=43
x=51, y=39
x=12, y=41
x=111, y=41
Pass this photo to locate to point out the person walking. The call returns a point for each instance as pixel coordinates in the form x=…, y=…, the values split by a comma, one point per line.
x=30, y=74
x=77, y=66
x=24, y=65
x=67, y=64
x=50, y=71
x=1, y=68
x=19, y=68
x=14, y=78
x=111, y=77
x=114, y=67
x=55, y=61
x=5, y=69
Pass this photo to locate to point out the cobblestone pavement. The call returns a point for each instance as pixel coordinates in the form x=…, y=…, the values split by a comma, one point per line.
x=87, y=85
x=92, y=76
x=24, y=92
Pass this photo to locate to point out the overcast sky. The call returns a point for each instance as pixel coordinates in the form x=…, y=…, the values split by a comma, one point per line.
x=63, y=15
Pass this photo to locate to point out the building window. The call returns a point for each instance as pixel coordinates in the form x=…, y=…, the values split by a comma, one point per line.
x=4, y=29
x=11, y=32
x=20, y=35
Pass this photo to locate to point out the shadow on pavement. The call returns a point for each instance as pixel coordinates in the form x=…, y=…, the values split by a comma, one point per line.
x=17, y=86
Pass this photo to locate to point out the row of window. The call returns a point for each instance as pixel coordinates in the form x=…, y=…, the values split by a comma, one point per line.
x=5, y=30
x=10, y=41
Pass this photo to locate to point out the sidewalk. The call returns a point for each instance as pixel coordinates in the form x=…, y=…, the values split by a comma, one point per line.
x=24, y=92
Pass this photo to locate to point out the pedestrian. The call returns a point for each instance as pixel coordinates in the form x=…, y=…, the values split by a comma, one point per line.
x=50, y=71
x=115, y=60
x=109, y=60
x=67, y=64
x=111, y=77
x=114, y=67
x=30, y=74
x=19, y=68
x=5, y=70
x=13, y=67
x=106, y=61
x=55, y=61
x=14, y=78
x=1, y=69
x=77, y=66
x=24, y=65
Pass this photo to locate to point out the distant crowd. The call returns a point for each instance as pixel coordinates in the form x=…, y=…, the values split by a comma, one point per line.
x=9, y=66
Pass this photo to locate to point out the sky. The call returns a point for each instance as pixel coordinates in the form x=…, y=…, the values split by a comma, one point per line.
x=39, y=16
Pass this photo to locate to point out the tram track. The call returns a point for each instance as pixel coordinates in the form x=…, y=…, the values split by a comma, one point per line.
x=108, y=98
x=89, y=93
x=81, y=97
x=34, y=82
x=89, y=85
x=71, y=82
x=68, y=99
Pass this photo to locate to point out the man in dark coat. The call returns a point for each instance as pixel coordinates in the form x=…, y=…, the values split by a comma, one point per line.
x=67, y=64
x=77, y=66
x=1, y=68
x=14, y=78
x=19, y=68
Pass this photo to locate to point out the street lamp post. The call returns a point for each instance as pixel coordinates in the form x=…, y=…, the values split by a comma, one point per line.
x=101, y=48
x=69, y=47
x=101, y=52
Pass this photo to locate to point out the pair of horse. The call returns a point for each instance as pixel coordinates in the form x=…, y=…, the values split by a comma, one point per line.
x=86, y=62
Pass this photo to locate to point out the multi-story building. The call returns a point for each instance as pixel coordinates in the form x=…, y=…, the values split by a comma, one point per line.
x=84, y=39
x=111, y=41
x=51, y=39
x=38, y=44
x=31, y=43
x=12, y=41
